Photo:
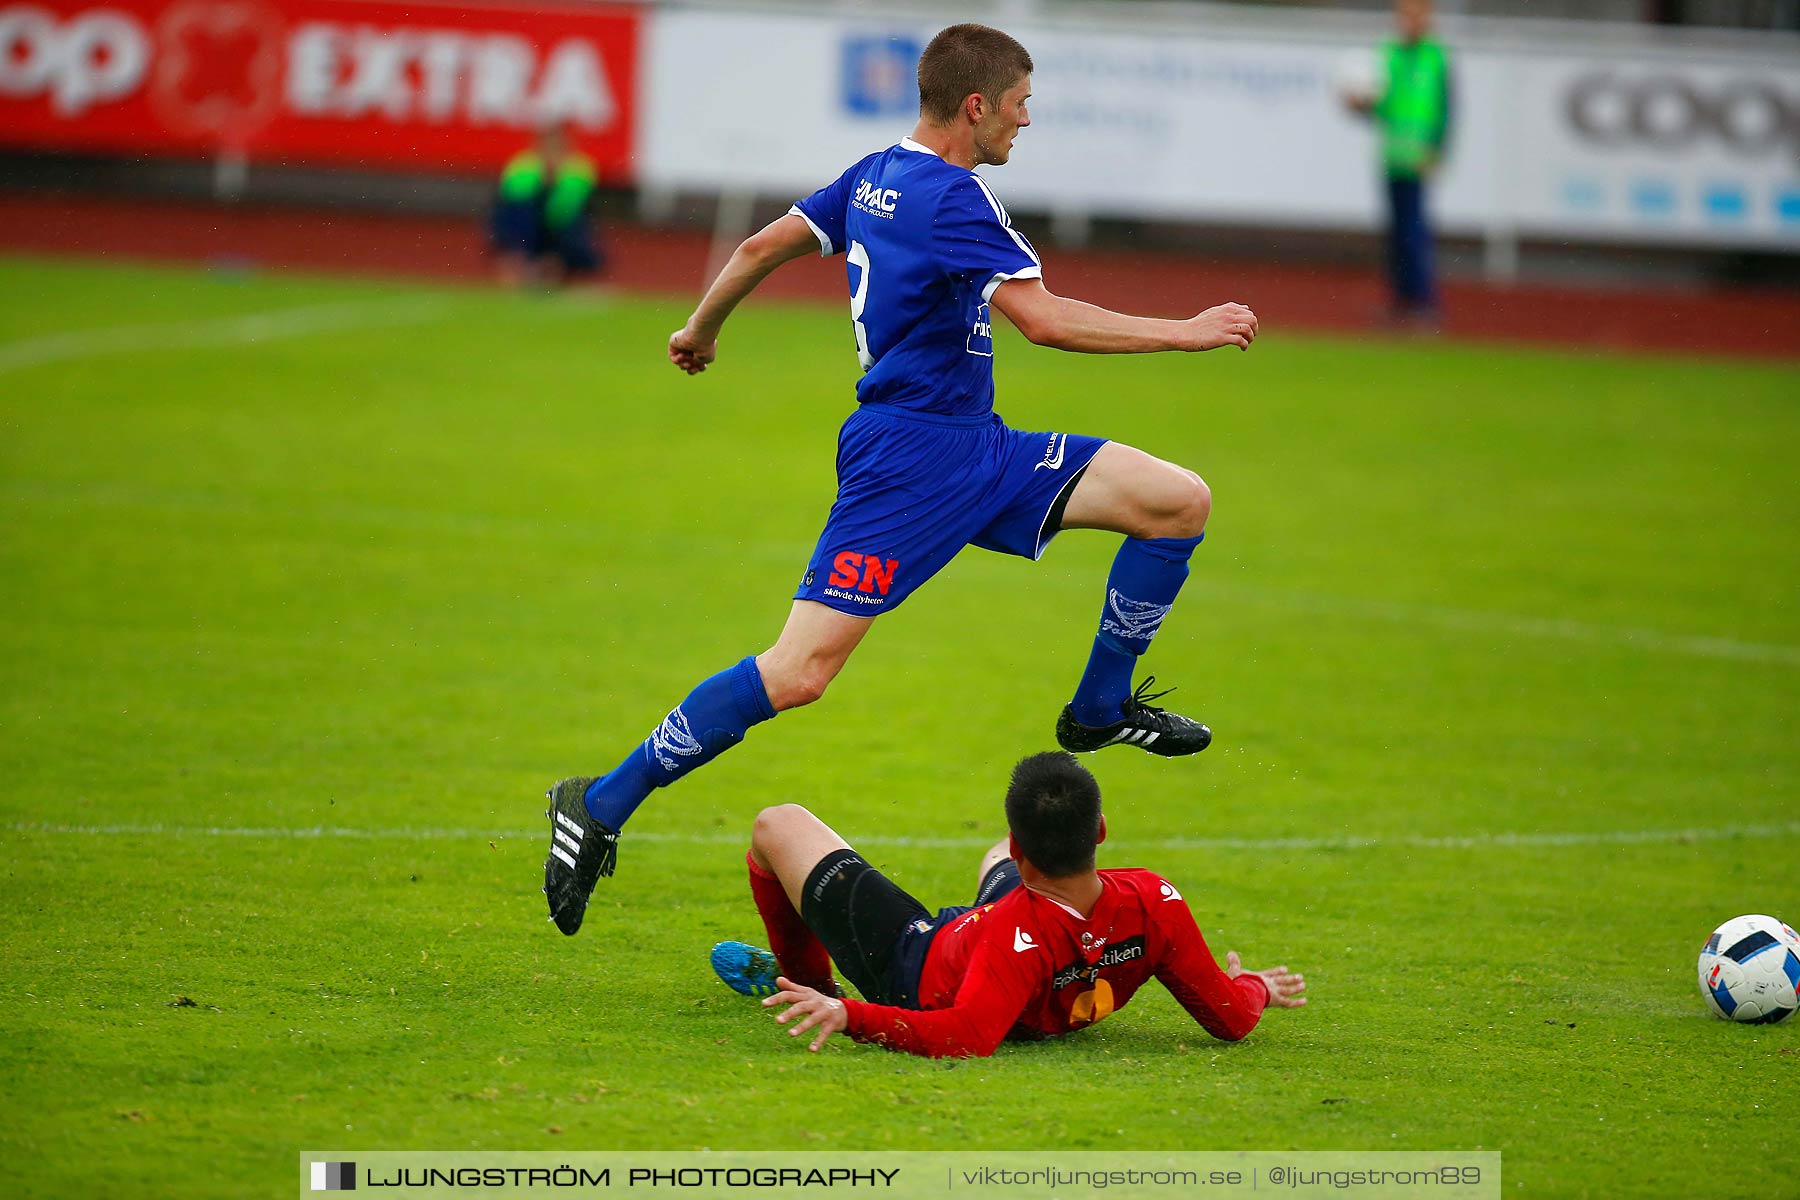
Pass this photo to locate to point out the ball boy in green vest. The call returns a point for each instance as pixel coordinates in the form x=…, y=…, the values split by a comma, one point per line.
x=1412, y=111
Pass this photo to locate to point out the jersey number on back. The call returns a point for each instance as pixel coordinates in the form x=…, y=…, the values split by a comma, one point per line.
x=858, y=257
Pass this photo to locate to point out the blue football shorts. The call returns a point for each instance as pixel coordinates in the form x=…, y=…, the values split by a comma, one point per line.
x=915, y=488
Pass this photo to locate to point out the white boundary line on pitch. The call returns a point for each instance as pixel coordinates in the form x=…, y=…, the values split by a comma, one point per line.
x=1613, y=837
x=1468, y=620
x=239, y=329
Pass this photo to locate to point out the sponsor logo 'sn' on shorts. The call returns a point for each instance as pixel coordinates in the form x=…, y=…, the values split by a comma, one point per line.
x=915, y=488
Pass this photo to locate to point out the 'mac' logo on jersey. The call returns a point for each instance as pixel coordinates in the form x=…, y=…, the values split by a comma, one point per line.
x=981, y=333
x=870, y=197
x=864, y=572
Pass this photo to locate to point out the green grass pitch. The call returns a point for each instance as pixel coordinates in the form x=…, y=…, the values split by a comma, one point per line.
x=309, y=588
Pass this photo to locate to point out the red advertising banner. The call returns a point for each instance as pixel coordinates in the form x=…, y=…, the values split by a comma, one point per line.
x=368, y=83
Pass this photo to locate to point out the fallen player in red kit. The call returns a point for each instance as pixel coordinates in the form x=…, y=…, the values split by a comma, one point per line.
x=1051, y=945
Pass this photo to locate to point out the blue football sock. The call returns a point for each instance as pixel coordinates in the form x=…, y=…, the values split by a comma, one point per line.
x=714, y=718
x=1147, y=575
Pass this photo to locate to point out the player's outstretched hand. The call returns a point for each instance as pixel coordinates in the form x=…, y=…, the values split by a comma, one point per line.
x=1226, y=325
x=688, y=352
x=1285, y=986
x=813, y=1008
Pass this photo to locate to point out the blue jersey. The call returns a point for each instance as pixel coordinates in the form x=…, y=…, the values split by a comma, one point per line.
x=926, y=243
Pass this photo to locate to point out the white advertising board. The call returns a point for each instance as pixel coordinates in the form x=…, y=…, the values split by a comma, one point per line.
x=1656, y=146
x=1248, y=129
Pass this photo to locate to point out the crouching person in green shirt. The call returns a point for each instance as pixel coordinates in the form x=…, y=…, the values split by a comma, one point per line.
x=542, y=226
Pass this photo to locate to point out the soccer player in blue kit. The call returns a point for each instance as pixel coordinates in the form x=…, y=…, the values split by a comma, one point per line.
x=925, y=465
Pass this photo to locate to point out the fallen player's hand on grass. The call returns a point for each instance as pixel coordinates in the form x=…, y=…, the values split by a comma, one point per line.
x=689, y=352
x=1285, y=986
x=813, y=1008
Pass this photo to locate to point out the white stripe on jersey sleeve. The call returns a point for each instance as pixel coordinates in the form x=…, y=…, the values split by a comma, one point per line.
x=826, y=250
x=1005, y=221
x=1000, y=277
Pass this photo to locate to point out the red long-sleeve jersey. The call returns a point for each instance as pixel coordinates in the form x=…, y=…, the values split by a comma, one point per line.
x=1029, y=967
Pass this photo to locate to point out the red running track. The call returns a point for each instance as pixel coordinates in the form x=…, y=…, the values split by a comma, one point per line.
x=1733, y=322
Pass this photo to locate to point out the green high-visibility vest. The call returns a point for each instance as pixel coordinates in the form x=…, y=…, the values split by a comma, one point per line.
x=1414, y=109
x=523, y=177
x=568, y=198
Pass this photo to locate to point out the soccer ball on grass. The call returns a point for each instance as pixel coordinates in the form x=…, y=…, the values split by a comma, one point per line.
x=1750, y=970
